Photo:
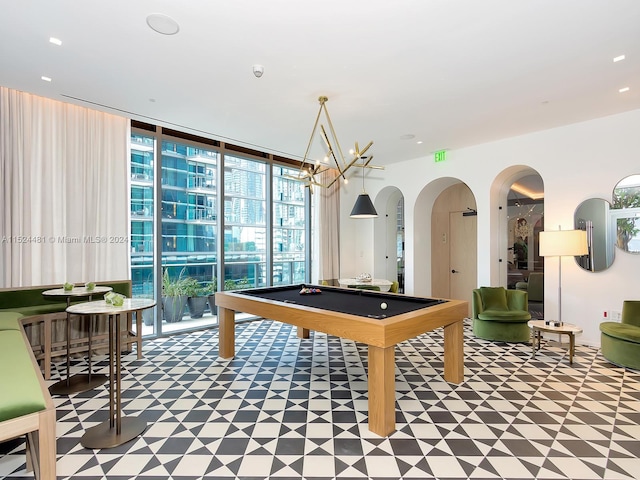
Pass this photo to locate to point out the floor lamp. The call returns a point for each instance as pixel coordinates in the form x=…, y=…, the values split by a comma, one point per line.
x=563, y=243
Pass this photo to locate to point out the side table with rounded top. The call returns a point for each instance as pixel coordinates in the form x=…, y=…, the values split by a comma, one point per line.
x=117, y=429
x=85, y=381
x=539, y=326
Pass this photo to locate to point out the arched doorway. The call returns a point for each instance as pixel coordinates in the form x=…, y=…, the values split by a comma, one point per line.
x=389, y=227
x=454, y=243
x=525, y=221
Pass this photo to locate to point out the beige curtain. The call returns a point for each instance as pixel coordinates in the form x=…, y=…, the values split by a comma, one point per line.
x=64, y=192
x=329, y=228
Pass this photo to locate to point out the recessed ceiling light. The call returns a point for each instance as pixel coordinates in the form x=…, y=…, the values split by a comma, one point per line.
x=55, y=41
x=46, y=79
x=419, y=142
x=618, y=58
x=625, y=89
x=163, y=24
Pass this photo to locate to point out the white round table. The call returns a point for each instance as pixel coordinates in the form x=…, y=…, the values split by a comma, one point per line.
x=384, y=285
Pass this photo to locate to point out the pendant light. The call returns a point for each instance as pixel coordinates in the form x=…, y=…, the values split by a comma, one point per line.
x=363, y=207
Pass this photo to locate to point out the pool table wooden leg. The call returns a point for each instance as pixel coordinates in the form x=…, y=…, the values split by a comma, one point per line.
x=227, y=327
x=454, y=352
x=303, y=332
x=382, y=390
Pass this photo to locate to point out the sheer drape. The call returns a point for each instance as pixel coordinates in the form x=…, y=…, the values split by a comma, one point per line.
x=329, y=228
x=64, y=181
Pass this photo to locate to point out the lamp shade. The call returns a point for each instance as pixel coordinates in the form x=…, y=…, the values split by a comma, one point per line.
x=563, y=243
x=363, y=208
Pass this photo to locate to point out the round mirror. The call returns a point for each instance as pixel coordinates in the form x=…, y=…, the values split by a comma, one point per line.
x=625, y=214
x=593, y=216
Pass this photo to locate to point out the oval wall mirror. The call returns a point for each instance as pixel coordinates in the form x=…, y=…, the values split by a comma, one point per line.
x=625, y=214
x=593, y=216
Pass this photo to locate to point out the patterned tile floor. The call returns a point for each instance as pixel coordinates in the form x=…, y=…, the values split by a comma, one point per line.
x=291, y=409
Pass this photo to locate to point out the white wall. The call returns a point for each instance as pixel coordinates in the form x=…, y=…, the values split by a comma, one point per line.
x=576, y=162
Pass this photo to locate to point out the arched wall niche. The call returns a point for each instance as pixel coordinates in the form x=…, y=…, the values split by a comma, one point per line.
x=384, y=233
x=500, y=238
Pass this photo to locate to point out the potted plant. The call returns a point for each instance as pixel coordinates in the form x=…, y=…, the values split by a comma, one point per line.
x=236, y=284
x=147, y=313
x=197, y=297
x=211, y=296
x=174, y=297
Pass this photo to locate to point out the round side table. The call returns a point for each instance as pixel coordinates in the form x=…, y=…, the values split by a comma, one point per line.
x=539, y=326
x=118, y=429
x=83, y=381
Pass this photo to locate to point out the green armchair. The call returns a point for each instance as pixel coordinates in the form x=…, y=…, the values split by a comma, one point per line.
x=620, y=342
x=500, y=314
x=534, y=286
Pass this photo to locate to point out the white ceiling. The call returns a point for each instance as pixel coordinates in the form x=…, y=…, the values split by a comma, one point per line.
x=453, y=73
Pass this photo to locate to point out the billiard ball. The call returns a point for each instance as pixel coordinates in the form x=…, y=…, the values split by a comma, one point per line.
x=383, y=306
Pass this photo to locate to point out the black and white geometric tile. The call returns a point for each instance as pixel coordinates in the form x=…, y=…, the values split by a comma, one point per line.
x=286, y=408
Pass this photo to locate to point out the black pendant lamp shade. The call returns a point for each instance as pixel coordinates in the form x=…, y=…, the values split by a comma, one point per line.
x=364, y=207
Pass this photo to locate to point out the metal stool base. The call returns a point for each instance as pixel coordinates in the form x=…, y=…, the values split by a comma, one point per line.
x=78, y=383
x=105, y=436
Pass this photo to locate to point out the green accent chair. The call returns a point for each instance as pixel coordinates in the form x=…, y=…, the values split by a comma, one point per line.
x=395, y=286
x=534, y=286
x=620, y=342
x=500, y=314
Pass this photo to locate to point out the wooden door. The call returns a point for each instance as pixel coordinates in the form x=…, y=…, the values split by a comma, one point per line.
x=448, y=208
x=462, y=256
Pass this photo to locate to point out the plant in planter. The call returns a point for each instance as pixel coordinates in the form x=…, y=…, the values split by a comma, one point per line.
x=211, y=296
x=239, y=284
x=197, y=297
x=174, y=297
x=147, y=313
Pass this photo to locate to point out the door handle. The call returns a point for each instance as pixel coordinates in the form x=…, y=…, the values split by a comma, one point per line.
x=455, y=271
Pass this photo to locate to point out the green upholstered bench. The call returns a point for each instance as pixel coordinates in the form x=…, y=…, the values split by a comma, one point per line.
x=10, y=321
x=500, y=314
x=620, y=342
x=26, y=407
x=45, y=320
x=29, y=300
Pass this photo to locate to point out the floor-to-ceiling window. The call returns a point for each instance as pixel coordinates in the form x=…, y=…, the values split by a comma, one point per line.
x=289, y=227
x=245, y=223
x=142, y=246
x=189, y=232
x=192, y=202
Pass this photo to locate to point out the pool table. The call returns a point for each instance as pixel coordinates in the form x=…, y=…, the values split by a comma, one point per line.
x=357, y=315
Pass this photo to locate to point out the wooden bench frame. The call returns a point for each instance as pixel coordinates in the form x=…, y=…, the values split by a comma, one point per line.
x=48, y=349
x=39, y=429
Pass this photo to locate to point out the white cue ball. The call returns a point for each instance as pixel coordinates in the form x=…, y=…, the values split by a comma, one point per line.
x=383, y=306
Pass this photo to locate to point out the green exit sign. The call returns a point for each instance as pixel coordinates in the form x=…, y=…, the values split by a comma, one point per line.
x=440, y=155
